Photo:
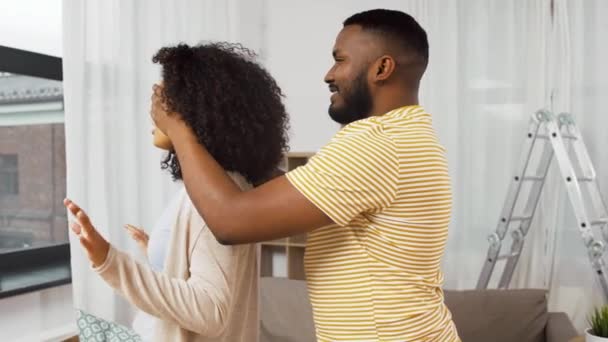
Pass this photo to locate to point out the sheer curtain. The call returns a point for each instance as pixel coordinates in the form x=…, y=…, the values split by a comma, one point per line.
x=580, y=87
x=113, y=170
x=494, y=63
x=486, y=77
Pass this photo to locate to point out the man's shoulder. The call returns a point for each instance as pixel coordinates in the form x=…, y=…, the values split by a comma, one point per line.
x=361, y=136
x=400, y=117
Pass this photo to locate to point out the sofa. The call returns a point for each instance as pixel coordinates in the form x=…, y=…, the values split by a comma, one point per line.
x=479, y=315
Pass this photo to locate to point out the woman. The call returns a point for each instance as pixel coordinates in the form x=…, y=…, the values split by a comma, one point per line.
x=201, y=290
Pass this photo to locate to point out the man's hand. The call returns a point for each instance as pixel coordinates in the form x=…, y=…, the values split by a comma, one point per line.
x=96, y=246
x=163, y=118
x=140, y=236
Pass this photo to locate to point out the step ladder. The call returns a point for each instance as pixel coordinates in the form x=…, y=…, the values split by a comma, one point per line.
x=553, y=135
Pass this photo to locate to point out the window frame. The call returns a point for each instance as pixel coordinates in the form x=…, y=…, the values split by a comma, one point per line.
x=8, y=172
x=30, y=267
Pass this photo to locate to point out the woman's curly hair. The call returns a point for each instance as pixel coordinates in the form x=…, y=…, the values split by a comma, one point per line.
x=231, y=103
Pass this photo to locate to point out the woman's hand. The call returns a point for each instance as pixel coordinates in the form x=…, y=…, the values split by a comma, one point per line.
x=96, y=246
x=140, y=236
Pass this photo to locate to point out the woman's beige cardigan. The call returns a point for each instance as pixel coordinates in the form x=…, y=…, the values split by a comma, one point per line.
x=206, y=292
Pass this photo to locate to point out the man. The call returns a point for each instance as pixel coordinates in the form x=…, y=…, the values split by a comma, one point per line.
x=376, y=199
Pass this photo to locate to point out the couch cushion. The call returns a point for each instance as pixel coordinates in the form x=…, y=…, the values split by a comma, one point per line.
x=479, y=315
x=499, y=315
x=285, y=311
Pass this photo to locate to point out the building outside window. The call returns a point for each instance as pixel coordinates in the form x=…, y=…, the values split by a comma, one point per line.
x=32, y=162
x=34, y=250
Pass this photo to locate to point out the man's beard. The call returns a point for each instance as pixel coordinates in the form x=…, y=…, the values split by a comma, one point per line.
x=357, y=103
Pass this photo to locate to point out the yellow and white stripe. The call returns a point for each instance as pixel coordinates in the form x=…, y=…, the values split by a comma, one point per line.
x=375, y=275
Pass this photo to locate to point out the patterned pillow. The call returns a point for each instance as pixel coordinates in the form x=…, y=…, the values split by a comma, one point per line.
x=93, y=329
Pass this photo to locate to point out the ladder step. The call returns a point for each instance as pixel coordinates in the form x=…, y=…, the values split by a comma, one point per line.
x=520, y=218
x=507, y=256
x=564, y=136
x=534, y=178
x=599, y=222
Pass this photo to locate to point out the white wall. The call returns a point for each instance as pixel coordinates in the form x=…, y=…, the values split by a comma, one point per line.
x=38, y=316
x=297, y=51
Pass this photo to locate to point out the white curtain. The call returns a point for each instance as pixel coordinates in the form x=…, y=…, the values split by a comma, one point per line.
x=493, y=64
x=113, y=170
x=486, y=77
x=580, y=87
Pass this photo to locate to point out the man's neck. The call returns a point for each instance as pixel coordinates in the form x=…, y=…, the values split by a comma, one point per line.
x=393, y=101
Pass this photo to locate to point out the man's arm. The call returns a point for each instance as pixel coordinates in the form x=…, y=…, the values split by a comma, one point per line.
x=273, y=210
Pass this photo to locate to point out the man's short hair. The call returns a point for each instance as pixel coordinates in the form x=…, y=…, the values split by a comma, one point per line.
x=397, y=27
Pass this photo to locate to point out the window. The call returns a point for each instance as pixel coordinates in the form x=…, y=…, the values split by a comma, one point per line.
x=34, y=250
x=9, y=181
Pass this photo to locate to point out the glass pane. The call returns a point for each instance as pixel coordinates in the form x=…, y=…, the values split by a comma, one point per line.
x=32, y=163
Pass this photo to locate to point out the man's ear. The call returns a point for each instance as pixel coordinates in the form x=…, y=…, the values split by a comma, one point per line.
x=384, y=67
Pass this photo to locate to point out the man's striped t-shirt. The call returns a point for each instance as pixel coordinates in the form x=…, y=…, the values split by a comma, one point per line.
x=375, y=274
